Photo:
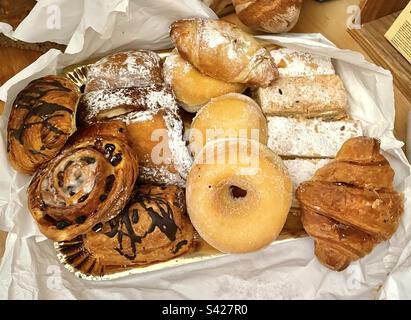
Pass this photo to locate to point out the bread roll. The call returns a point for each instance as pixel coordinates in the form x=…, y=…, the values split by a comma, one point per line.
x=274, y=16
x=192, y=88
x=220, y=7
x=223, y=51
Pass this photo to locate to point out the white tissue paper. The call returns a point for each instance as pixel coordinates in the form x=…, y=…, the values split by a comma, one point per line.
x=30, y=269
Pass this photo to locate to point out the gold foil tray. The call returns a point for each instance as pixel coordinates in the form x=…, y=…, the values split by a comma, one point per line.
x=201, y=251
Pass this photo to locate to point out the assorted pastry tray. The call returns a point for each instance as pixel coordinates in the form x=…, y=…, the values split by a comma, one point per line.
x=143, y=161
x=200, y=250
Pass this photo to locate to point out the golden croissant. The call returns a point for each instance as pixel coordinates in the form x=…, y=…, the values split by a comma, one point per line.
x=223, y=51
x=350, y=204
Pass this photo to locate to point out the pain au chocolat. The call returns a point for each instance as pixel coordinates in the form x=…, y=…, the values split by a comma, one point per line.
x=88, y=183
x=41, y=120
x=152, y=228
x=350, y=205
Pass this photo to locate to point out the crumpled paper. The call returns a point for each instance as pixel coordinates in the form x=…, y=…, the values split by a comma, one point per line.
x=289, y=270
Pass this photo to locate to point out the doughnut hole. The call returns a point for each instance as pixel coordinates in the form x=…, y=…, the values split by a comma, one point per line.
x=236, y=209
x=232, y=115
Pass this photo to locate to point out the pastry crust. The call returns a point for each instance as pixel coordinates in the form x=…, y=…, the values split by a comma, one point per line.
x=152, y=228
x=307, y=97
x=295, y=63
x=41, y=120
x=346, y=208
x=134, y=68
x=223, y=51
x=89, y=182
x=191, y=88
x=154, y=128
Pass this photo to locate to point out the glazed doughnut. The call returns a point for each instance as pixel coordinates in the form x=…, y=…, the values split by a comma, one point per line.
x=238, y=206
x=191, y=88
x=233, y=115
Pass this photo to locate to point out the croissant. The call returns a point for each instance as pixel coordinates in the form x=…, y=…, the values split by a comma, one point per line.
x=152, y=228
x=41, y=121
x=223, y=51
x=350, y=204
x=89, y=182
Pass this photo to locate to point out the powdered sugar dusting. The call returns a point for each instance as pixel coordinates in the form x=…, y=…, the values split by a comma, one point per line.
x=172, y=64
x=293, y=63
x=152, y=99
x=124, y=69
x=301, y=170
x=311, y=137
x=97, y=101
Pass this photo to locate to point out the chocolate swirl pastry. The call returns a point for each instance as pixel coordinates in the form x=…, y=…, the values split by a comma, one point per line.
x=152, y=228
x=350, y=204
x=41, y=121
x=88, y=183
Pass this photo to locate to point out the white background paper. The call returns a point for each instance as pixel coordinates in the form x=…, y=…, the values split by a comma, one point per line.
x=30, y=269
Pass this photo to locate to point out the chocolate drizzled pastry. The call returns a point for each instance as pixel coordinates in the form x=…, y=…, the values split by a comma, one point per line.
x=88, y=183
x=41, y=120
x=350, y=204
x=152, y=228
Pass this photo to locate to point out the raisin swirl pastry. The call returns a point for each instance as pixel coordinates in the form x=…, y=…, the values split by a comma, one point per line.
x=350, y=204
x=152, y=228
x=41, y=120
x=89, y=182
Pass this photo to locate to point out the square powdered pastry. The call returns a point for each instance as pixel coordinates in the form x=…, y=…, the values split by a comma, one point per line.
x=292, y=63
x=320, y=96
x=309, y=138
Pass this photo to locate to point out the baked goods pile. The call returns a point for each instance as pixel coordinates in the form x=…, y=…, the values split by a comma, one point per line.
x=100, y=186
x=239, y=126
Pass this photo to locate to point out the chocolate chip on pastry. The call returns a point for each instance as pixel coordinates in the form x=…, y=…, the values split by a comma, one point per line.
x=350, y=204
x=41, y=120
x=89, y=182
x=152, y=228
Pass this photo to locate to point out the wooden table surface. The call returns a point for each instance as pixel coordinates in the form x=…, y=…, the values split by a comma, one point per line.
x=327, y=18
